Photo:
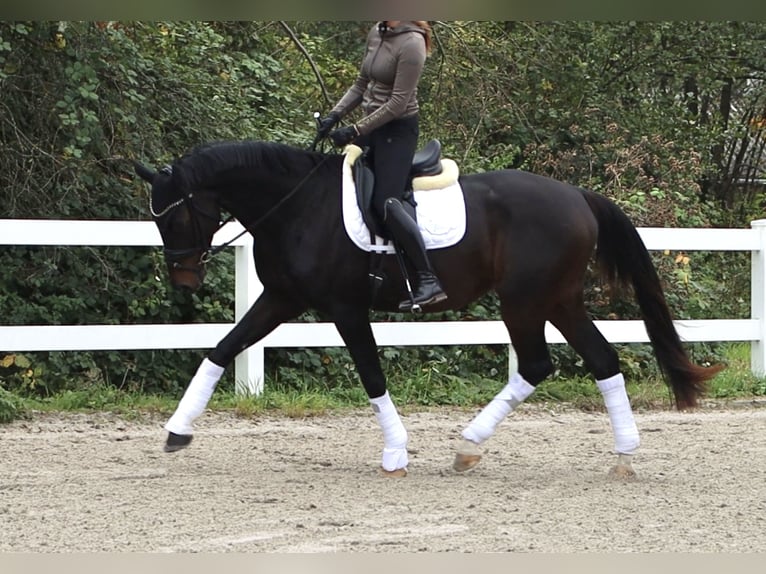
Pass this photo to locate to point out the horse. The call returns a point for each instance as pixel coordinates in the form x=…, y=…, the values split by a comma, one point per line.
x=528, y=238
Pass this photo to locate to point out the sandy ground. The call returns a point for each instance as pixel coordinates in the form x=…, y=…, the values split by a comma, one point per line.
x=100, y=483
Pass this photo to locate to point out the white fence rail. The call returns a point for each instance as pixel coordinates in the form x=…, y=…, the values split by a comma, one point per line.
x=249, y=366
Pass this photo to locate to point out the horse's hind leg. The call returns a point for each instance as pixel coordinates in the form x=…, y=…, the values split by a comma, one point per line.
x=528, y=335
x=265, y=315
x=601, y=360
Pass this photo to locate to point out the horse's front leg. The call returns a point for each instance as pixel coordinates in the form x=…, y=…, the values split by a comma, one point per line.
x=354, y=327
x=268, y=312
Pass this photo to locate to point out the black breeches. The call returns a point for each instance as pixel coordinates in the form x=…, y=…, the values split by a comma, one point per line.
x=392, y=147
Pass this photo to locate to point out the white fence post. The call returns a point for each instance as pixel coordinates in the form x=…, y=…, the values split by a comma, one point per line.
x=249, y=364
x=758, y=298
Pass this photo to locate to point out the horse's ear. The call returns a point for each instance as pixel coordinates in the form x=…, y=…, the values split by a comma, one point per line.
x=144, y=172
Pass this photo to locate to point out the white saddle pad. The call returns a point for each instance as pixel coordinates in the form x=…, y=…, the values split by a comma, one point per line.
x=440, y=212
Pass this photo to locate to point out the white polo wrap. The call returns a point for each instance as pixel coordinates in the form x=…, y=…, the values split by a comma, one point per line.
x=195, y=398
x=513, y=394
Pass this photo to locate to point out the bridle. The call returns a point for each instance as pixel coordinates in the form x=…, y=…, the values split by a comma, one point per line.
x=207, y=252
x=174, y=257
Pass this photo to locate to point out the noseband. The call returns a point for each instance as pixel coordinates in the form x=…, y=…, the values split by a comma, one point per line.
x=175, y=256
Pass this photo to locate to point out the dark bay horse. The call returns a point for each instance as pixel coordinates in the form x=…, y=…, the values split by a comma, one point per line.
x=528, y=238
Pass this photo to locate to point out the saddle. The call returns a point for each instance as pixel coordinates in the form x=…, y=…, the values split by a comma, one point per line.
x=425, y=162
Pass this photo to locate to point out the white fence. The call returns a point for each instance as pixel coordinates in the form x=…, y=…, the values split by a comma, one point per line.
x=249, y=366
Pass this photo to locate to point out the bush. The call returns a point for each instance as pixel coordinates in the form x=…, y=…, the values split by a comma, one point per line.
x=76, y=286
x=11, y=407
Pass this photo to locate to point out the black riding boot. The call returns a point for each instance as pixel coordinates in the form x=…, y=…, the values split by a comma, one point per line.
x=405, y=231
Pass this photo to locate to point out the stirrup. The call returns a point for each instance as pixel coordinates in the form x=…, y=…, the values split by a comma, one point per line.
x=411, y=306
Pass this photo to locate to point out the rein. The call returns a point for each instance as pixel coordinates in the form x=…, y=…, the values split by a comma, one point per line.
x=292, y=192
x=212, y=251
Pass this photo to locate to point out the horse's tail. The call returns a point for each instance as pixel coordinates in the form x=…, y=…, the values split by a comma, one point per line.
x=624, y=260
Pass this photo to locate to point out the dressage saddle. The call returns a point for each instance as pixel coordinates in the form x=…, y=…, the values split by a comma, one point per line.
x=425, y=162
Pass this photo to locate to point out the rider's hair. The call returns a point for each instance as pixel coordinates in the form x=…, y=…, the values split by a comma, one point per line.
x=427, y=27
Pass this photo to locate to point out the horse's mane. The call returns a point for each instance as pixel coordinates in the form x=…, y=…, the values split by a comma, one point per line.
x=209, y=162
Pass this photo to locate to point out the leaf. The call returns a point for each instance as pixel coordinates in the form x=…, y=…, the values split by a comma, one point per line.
x=22, y=362
x=7, y=361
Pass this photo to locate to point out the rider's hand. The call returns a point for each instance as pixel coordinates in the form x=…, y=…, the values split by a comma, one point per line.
x=326, y=124
x=343, y=136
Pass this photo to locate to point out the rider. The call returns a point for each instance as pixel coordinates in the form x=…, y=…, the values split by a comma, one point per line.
x=387, y=89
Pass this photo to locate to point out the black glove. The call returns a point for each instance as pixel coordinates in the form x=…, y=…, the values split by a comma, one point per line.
x=326, y=124
x=343, y=136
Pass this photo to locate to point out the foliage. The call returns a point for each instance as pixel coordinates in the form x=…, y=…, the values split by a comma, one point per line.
x=60, y=286
x=11, y=406
x=666, y=118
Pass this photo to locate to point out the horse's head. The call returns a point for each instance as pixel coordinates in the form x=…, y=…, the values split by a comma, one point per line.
x=187, y=221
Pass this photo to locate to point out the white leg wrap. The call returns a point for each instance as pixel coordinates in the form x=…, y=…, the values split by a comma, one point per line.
x=394, y=433
x=626, y=438
x=513, y=394
x=195, y=398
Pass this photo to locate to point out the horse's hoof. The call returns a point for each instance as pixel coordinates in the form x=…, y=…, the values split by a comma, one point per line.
x=623, y=470
x=465, y=462
x=397, y=473
x=177, y=441
x=467, y=457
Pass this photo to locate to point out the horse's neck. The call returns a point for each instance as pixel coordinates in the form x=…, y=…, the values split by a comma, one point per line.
x=256, y=198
